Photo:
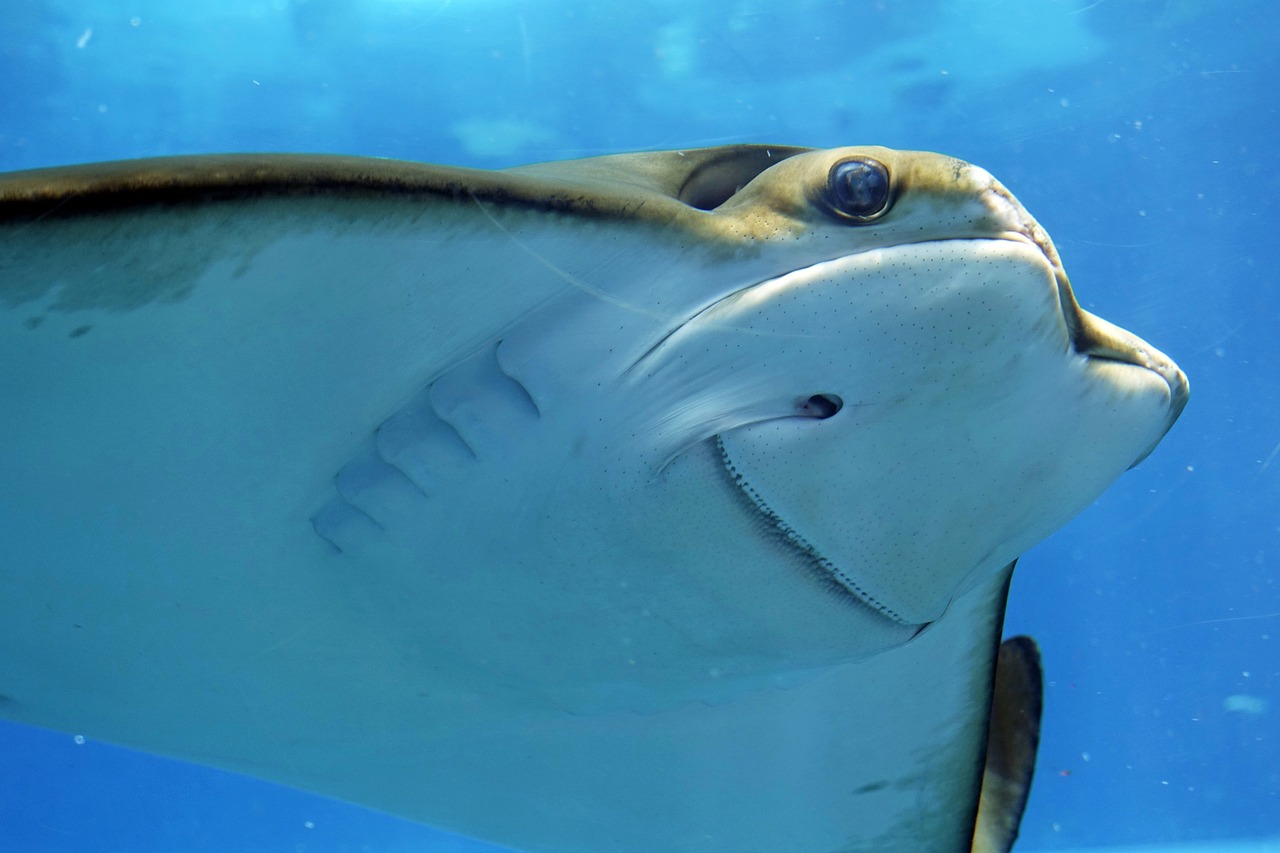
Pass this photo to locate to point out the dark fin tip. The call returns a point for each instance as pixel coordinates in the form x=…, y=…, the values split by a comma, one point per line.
x=1013, y=738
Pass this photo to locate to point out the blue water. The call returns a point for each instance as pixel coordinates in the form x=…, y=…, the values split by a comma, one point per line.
x=1141, y=133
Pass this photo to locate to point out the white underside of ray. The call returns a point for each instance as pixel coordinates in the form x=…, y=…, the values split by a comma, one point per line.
x=528, y=617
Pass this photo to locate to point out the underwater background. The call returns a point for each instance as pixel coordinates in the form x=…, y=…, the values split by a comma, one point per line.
x=1141, y=133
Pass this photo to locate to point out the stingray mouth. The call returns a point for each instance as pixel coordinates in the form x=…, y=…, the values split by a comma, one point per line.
x=1101, y=341
x=1091, y=336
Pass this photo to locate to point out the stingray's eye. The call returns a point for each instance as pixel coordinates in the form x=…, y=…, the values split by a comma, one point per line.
x=858, y=189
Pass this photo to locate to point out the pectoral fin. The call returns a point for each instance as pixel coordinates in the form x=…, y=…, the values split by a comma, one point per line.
x=1011, y=745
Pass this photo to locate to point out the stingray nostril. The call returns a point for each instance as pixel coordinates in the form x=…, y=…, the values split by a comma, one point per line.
x=821, y=406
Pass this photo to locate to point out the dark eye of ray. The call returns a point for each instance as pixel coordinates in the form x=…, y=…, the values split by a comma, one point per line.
x=821, y=406
x=859, y=189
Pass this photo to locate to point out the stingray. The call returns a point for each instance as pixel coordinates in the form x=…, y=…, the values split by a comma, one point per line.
x=658, y=501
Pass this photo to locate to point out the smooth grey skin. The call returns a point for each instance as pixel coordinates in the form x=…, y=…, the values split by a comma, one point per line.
x=510, y=502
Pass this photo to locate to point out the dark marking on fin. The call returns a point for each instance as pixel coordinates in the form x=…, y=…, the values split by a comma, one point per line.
x=33, y=322
x=1012, y=740
x=872, y=787
x=700, y=178
x=79, y=331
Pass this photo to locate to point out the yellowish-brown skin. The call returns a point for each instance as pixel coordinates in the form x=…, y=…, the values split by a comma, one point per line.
x=1013, y=739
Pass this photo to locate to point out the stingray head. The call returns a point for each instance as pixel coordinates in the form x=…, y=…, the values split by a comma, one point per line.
x=916, y=385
